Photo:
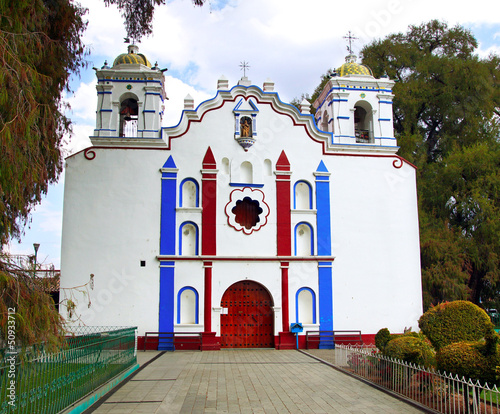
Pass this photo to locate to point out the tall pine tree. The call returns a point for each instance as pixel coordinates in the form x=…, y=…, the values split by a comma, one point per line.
x=40, y=46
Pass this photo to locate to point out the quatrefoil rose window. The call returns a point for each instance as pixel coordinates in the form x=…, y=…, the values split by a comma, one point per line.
x=247, y=211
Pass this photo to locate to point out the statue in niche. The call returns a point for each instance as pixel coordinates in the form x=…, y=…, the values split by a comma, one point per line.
x=245, y=127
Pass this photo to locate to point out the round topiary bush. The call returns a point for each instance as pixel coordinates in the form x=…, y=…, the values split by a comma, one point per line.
x=455, y=321
x=469, y=360
x=382, y=338
x=413, y=349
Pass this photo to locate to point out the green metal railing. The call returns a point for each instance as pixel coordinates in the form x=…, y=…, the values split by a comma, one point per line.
x=49, y=382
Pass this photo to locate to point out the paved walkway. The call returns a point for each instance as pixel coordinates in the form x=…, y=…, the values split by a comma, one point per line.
x=244, y=381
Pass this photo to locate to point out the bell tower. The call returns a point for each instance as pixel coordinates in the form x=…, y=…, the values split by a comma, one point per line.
x=130, y=97
x=355, y=107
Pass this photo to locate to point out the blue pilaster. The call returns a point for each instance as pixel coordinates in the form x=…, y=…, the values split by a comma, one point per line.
x=168, y=204
x=166, y=313
x=323, y=210
x=325, y=285
x=167, y=247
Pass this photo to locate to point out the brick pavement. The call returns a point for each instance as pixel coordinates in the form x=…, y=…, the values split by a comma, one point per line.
x=244, y=381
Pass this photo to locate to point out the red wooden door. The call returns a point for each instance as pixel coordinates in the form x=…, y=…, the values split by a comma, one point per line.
x=249, y=319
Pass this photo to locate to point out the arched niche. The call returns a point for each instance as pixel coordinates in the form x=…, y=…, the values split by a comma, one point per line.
x=188, y=239
x=305, y=306
x=246, y=127
x=302, y=194
x=187, y=306
x=268, y=167
x=246, y=172
x=189, y=194
x=225, y=165
x=304, y=239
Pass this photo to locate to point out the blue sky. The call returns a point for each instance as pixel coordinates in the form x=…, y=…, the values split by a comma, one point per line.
x=287, y=41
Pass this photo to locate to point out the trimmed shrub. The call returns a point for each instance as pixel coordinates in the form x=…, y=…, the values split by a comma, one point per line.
x=382, y=338
x=455, y=321
x=469, y=360
x=412, y=348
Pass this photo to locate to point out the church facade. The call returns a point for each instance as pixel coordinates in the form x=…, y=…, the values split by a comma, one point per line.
x=247, y=216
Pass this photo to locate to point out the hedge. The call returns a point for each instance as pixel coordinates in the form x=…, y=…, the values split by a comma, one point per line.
x=412, y=348
x=382, y=337
x=455, y=321
x=469, y=360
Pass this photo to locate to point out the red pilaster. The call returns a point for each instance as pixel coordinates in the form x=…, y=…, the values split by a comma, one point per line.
x=207, y=307
x=286, y=339
x=208, y=242
x=284, y=296
x=209, y=204
x=283, y=212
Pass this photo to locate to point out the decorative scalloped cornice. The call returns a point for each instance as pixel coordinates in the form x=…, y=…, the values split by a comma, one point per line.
x=268, y=98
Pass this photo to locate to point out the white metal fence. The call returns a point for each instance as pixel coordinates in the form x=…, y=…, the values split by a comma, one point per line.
x=441, y=392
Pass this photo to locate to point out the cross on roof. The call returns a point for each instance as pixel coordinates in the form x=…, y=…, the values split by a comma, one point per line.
x=350, y=37
x=244, y=66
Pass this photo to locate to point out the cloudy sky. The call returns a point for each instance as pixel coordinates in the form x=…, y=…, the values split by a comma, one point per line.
x=289, y=41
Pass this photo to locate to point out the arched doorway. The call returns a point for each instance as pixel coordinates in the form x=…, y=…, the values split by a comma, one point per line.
x=247, y=317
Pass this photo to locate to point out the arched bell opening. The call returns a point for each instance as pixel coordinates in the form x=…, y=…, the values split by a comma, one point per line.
x=363, y=122
x=324, y=121
x=129, y=115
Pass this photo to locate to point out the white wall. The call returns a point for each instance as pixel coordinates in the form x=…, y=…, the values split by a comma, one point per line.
x=112, y=218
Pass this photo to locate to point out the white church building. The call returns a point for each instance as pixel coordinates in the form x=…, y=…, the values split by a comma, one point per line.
x=246, y=217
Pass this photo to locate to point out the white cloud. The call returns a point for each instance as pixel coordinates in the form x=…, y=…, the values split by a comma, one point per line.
x=83, y=102
x=177, y=91
x=79, y=140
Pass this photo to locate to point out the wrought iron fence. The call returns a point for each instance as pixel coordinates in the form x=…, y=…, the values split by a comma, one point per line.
x=495, y=318
x=441, y=392
x=45, y=382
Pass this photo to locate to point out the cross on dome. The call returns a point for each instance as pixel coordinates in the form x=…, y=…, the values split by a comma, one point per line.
x=350, y=37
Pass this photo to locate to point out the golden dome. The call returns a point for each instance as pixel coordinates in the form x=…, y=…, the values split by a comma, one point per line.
x=132, y=58
x=350, y=67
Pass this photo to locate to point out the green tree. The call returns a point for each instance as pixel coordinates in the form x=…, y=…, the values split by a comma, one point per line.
x=445, y=95
x=26, y=308
x=40, y=46
x=446, y=119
